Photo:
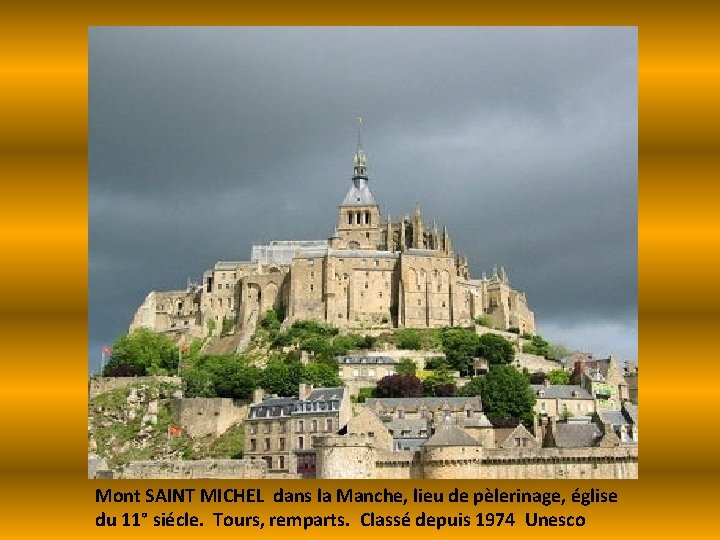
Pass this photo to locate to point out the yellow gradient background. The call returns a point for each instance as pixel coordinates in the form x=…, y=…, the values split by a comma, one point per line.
x=43, y=163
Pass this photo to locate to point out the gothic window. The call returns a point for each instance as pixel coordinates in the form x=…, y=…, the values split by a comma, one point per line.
x=350, y=218
x=267, y=444
x=301, y=443
x=367, y=218
x=311, y=287
x=253, y=445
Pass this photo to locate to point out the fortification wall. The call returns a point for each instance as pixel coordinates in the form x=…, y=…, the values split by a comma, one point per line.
x=200, y=417
x=479, y=464
x=205, y=468
x=100, y=385
x=534, y=363
x=340, y=459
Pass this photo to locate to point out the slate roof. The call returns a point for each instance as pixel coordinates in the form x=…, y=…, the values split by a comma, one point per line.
x=359, y=359
x=576, y=435
x=421, y=252
x=450, y=435
x=365, y=253
x=326, y=394
x=477, y=422
x=614, y=418
x=359, y=194
x=564, y=391
x=631, y=410
x=276, y=407
x=273, y=407
x=431, y=403
x=408, y=428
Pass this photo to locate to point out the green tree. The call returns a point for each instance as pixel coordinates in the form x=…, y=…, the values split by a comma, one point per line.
x=558, y=351
x=506, y=393
x=460, y=347
x=440, y=383
x=537, y=346
x=231, y=376
x=484, y=320
x=270, y=321
x=282, y=376
x=321, y=375
x=495, y=349
x=406, y=367
x=471, y=389
x=141, y=352
x=228, y=325
x=559, y=376
x=341, y=345
x=198, y=383
x=409, y=338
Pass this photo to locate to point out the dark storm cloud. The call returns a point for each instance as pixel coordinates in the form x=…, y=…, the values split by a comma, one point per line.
x=523, y=141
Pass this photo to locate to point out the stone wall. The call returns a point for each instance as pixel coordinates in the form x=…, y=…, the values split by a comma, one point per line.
x=200, y=417
x=359, y=458
x=100, y=385
x=205, y=468
x=534, y=363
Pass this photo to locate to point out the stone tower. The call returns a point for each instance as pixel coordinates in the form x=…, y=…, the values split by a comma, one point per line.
x=359, y=215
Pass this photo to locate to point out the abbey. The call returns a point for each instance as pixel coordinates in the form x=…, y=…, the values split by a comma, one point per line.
x=371, y=274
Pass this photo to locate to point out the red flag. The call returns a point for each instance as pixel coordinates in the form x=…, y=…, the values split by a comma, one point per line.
x=106, y=350
x=174, y=431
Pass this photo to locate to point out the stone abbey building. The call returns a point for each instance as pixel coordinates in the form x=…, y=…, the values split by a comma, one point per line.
x=371, y=274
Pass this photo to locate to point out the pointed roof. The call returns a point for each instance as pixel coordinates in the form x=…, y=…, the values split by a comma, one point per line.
x=450, y=435
x=359, y=193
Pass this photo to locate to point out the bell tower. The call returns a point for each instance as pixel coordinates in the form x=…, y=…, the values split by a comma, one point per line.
x=359, y=215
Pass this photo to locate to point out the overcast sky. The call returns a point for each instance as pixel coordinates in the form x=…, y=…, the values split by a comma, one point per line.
x=523, y=141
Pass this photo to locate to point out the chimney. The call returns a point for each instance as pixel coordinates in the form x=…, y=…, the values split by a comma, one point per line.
x=546, y=381
x=304, y=390
x=258, y=395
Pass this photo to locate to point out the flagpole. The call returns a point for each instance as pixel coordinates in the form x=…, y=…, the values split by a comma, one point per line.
x=102, y=361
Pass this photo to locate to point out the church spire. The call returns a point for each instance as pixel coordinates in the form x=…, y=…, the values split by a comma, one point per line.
x=360, y=168
x=359, y=193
